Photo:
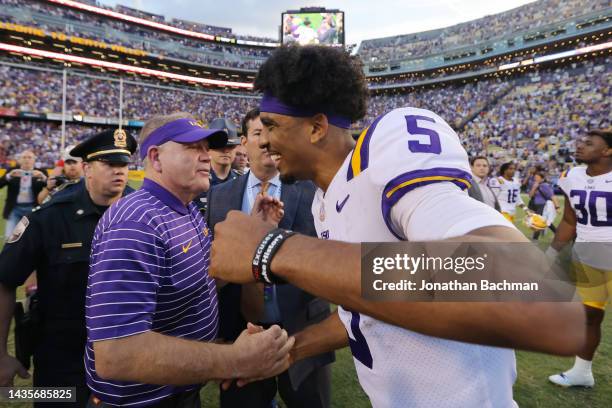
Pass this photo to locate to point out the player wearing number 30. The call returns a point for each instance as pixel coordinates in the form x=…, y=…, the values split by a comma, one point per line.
x=588, y=219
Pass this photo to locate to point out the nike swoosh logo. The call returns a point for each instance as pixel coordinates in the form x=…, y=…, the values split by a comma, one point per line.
x=186, y=248
x=339, y=206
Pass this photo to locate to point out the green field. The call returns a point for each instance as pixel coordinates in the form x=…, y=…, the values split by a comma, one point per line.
x=531, y=390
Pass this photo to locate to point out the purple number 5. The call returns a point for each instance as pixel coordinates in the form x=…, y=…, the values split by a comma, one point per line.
x=413, y=128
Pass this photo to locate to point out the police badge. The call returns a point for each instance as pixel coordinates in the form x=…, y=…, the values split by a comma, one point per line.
x=120, y=138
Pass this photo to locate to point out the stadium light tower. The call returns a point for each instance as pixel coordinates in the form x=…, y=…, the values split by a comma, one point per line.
x=63, y=136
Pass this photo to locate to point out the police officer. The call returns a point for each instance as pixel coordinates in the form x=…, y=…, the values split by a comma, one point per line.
x=55, y=240
x=221, y=159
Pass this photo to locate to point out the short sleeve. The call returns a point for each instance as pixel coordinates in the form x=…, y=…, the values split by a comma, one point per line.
x=441, y=211
x=126, y=264
x=547, y=191
x=406, y=149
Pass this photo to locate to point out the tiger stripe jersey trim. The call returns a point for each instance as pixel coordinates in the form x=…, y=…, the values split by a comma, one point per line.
x=361, y=154
x=406, y=182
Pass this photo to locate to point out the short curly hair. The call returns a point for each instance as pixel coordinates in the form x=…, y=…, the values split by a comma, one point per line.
x=316, y=78
x=605, y=134
x=504, y=167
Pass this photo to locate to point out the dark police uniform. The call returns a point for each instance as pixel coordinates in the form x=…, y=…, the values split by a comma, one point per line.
x=67, y=187
x=232, y=140
x=214, y=179
x=55, y=240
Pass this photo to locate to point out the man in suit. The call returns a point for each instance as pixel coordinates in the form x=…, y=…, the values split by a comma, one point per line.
x=24, y=183
x=480, y=190
x=306, y=383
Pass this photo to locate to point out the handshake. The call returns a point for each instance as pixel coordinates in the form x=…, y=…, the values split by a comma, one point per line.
x=259, y=354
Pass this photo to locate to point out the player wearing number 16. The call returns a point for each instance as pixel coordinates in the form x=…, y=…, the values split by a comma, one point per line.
x=404, y=179
x=588, y=219
x=507, y=190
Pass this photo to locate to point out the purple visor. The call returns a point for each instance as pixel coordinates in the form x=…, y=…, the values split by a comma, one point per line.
x=183, y=131
x=272, y=104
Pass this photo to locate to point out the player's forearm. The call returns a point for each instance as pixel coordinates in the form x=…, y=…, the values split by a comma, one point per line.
x=7, y=306
x=154, y=358
x=530, y=326
x=338, y=281
x=323, y=337
x=252, y=302
x=565, y=234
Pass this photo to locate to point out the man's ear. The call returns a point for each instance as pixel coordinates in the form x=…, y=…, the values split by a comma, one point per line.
x=319, y=128
x=85, y=166
x=153, y=158
x=243, y=140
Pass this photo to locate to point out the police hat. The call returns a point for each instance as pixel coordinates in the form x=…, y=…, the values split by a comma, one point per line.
x=66, y=156
x=115, y=146
x=230, y=129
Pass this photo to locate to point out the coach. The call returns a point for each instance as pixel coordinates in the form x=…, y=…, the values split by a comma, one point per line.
x=151, y=307
x=307, y=383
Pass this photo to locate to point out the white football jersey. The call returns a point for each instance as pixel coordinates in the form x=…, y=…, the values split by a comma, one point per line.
x=402, y=152
x=508, y=193
x=591, y=199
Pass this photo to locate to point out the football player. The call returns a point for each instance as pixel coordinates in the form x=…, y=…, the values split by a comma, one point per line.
x=587, y=218
x=404, y=179
x=507, y=189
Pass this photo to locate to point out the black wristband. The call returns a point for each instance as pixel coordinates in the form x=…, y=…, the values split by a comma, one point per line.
x=268, y=255
x=264, y=254
x=256, y=264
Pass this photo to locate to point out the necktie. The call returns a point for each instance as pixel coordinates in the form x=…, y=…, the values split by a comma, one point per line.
x=263, y=189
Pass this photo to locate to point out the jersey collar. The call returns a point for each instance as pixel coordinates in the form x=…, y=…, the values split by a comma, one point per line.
x=164, y=196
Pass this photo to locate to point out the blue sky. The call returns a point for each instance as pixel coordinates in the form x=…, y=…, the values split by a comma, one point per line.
x=364, y=18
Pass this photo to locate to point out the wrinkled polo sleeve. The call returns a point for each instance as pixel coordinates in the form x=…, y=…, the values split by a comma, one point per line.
x=547, y=191
x=126, y=265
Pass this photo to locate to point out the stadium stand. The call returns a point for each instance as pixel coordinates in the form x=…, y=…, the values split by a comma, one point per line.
x=70, y=22
x=487, y=107
x=516, y=20
x=543, y=113
x=43, y=138
x=41, y=92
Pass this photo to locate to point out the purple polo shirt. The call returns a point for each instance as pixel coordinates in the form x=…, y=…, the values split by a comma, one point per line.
x=543, y=193
x=148, y=271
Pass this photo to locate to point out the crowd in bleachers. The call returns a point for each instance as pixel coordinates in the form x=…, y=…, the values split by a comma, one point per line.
x=532, y=118
x=472, y=32
x=538, y=121
x=191, y=50
x=43, y=138
x=454, y=103
x=41, y=91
